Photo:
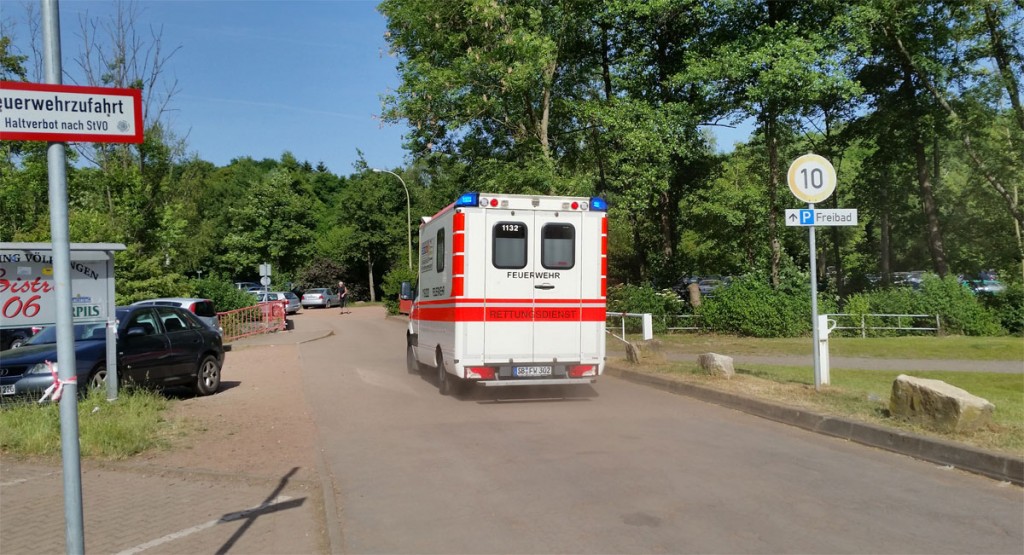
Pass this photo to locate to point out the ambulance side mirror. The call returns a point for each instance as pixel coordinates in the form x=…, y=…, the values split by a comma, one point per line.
x=407, y=293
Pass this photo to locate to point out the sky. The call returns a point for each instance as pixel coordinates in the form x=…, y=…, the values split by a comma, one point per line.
x=260, y=78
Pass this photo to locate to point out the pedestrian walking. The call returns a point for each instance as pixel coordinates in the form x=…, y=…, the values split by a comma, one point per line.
x=342, y=295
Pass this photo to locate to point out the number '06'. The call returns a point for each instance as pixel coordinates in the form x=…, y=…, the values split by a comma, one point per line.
x=15, y=307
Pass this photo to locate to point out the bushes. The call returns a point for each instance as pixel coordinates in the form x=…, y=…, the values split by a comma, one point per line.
x=392, y=286
x=643, y=299
x=225, y=296
x=1008, y=307
x=750, y=306
x=958, y=309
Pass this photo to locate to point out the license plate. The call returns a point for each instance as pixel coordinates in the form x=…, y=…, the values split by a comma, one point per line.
x=531, y=371
x=7, y=389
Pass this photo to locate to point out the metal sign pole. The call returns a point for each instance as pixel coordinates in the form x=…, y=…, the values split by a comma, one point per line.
x=56, y=161
x=814, y=306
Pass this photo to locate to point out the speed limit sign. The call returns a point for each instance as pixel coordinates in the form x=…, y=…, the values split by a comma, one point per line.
x=811, y=178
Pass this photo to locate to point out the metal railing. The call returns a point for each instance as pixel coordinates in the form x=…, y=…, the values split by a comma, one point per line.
x=609, y=316
x=890, y=322
x=682, y=322
x=262, y=318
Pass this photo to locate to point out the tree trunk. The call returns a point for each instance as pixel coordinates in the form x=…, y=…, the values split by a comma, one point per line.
x=773, y=185
x=924, y=183
x=640, y=269
x=668, y=249
x=1002, y=56
x=885, y=248
x=884, y=236
x=965, y=136
x=369, y=267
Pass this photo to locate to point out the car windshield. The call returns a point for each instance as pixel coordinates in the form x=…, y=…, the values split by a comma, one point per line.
x=83, y=332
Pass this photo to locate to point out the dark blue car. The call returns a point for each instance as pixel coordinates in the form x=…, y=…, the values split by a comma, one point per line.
x=157, y=346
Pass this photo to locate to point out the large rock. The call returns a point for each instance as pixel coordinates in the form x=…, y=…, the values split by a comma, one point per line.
x=636, y=352
x=936, y=404
x=716, y=365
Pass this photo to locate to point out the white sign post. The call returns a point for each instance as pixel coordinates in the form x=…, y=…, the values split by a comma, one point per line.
x=812, y=179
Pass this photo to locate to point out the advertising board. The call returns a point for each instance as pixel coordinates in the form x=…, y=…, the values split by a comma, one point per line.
x=27, y=285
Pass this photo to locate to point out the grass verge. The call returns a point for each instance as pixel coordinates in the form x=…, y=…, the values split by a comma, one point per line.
x=118, y=430
x=864, y=395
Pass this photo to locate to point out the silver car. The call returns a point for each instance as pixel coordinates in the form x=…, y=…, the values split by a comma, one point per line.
x=321, y=297
x=202, y=308
x=293, y=300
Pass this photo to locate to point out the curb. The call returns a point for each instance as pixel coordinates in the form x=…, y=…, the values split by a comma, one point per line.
x=979, y=461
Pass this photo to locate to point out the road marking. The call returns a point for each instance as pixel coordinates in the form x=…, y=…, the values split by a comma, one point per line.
x=230, y=517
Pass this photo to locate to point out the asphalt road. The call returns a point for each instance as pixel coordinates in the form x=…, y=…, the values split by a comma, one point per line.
x=613, y=468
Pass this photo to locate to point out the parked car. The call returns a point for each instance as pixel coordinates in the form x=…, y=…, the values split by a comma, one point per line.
x=202, y=308
x=247, y=285
x=294, y=303
x=321, y=297
x=12, y=338
x=987, y=286
x=157, y=346
x=707, y=286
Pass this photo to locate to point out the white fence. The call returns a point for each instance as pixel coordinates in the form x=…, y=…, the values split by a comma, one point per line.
x=898, y=322
x=646, y=324
x=862, y=322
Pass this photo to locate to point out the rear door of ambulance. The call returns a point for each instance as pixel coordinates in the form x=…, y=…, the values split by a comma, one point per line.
x=533, y=287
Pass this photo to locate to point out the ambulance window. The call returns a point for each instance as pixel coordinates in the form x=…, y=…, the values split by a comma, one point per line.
x=558, y=246
x=510, y=245
x=439, y=255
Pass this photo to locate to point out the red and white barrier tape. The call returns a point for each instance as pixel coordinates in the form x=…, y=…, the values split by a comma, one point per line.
x=56, y=389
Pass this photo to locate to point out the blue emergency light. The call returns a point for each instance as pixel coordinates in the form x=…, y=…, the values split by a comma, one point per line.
x=598, y=204
x=468, y=199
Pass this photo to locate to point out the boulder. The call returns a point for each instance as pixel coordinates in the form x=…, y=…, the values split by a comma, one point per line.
x=633, y=353
x=693, y=290
x=637, y=351
x=938, y=405
x=714, y=364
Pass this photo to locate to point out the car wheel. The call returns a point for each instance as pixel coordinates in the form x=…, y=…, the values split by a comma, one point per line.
x=411, y=364
x=18, y=342
x=208, y=379
x=444, y=381
x=97, y=378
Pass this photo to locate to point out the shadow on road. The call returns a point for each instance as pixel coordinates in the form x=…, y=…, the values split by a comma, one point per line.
x=513, y=394
x=271, y=505
x=530, y=394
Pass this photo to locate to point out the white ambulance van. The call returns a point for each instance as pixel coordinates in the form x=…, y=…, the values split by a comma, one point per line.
x=511, y=292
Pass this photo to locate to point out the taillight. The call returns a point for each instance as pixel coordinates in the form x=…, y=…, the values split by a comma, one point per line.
x=480, y=373
x=36, y=329
x=582, y=370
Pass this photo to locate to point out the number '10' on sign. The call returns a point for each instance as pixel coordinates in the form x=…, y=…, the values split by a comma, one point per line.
x=811, y=178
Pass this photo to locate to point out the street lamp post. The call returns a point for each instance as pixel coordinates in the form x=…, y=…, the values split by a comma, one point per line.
x=408, y=210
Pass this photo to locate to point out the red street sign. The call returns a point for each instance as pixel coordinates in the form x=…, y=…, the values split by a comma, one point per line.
x=69, y=113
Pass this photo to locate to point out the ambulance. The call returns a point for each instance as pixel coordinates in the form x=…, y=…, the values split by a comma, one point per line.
x=511, y=292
